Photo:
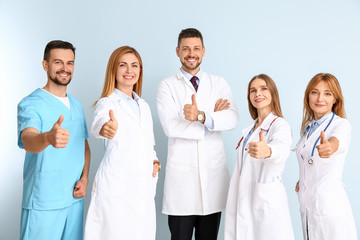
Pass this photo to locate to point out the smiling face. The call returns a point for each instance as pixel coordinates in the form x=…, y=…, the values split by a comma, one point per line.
x=260, y=96
x=190, y=52
x=127, y=73
x=321, y=100
x=60, y=66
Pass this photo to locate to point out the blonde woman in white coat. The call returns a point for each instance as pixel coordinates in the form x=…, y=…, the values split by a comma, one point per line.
x=122, y=199
x=325, y=209
x=257, y=205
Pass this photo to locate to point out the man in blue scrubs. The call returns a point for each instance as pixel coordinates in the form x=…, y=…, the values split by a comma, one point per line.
x=52, y=130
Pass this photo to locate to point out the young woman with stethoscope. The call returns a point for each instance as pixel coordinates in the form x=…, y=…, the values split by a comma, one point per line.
x=325, y=210
x=257, y=205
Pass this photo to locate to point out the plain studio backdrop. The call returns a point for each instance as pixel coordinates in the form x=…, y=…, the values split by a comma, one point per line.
x=289, y=40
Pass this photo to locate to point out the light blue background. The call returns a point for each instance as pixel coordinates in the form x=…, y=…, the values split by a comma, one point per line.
x=289, y=40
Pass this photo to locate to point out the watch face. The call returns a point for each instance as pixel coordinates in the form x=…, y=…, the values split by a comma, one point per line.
x=200, y=117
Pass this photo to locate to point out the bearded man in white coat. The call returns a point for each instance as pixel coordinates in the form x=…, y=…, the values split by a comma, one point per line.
x=194, y=107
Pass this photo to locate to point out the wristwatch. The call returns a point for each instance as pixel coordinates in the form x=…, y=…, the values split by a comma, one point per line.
x=200, y=116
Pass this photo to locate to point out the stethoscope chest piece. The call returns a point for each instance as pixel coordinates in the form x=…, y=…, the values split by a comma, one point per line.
x=311, y=161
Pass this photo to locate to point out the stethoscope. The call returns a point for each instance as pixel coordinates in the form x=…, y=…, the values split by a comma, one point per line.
x=311, y=160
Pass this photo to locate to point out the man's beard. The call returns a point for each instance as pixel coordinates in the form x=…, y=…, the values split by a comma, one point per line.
x=190, y=67
x=58, y=82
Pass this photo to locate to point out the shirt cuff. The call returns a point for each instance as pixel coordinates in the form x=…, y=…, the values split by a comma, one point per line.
x=209, y=123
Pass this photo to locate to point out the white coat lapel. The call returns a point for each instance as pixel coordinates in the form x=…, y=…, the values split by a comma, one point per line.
x=180, y=76
x=265, y=126
x=128, y=109
x=124, y=105
x=204, y=88
x=143, y=112
x=245, y=132
x=317, y=132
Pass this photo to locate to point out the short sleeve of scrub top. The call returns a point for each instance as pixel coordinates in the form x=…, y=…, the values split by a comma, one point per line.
x=86, y=130
x=27, y=117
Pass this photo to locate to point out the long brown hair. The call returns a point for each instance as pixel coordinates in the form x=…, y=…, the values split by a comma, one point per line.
x=338, y=107
x=111, y=69
x=275, y=100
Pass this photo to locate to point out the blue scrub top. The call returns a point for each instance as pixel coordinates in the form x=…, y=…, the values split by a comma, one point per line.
x=50, y=176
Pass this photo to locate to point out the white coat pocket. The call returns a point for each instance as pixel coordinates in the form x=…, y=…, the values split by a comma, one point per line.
x=268, y=196
x=332, y=201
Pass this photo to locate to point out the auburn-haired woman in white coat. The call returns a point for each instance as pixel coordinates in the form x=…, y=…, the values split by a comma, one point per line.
x=257, y=204
x=122, y=199
x=325, y=138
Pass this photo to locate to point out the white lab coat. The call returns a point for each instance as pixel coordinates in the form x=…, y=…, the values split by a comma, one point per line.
x=257, y=206
x=325, y=209
x=122, y=199
x=197, y=177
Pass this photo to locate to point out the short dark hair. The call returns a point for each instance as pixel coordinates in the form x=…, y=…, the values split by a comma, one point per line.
x=57, y=44
x=190, y=33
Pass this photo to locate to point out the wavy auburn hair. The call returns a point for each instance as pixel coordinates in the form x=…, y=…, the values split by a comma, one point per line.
x=111, y=69
x=275, y=100
x=334, y=85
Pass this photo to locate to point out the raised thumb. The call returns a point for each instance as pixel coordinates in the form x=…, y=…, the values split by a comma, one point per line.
x=261, y=136
x=112, y=115
x=59, y=121
x=193, y=100
x=322, y=137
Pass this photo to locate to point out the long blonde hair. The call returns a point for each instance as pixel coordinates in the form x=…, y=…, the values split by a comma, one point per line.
x=338, y=107
x=275, y=100
x=111, y=69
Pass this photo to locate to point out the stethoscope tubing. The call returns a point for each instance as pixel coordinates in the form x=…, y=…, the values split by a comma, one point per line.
x=317, y=140
x=311, y=161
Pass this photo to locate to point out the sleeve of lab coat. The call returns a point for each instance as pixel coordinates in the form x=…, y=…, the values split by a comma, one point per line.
x=174, y=125
x=154, y=152
x=152, y=132
x=226, y=119
x=342, y=131
x=101, y=116
x=280, y=141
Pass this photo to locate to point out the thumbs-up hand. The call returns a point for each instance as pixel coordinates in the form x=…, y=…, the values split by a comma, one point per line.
x=325, y=147
x=109, y=129
x=191, y=111
x=259, y=149
x=57, y=136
